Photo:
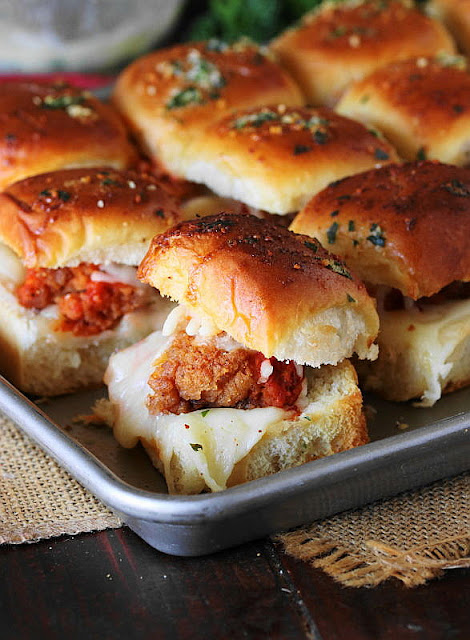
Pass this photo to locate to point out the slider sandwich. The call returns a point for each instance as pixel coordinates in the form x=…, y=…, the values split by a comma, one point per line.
x=340, y=43
x=70, y=242
x=250, y=374
x=170, y=96
x=422, y=106
x=405, y=229
x=45, y=127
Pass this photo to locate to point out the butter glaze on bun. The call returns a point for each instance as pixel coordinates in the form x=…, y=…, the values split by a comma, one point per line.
x=422, y=106
x=45, y=127
x=269, y=289
x=276, y=157
x=96, y=215
x=174, y=94
x=341, y=43
x=404, y=226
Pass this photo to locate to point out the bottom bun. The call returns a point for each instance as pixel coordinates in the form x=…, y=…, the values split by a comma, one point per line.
x=422, y=353
x=212, y=449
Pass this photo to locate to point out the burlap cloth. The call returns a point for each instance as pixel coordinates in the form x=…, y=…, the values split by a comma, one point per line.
x=413, y=537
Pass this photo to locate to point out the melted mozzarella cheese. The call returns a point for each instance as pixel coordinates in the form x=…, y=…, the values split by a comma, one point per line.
x=211, y=441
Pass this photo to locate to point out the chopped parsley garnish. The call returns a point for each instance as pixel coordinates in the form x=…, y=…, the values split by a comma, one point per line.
x=380, y=154
x=334, y=213
x=61, y=102
x=351, y=226
x=350, y=298
x=205, y=412
x=320, y=137
x=457, y=188
x=355, y=242
x=365, y=98
x=46, y=193
x=195, y=446
x=331, y=233
x=215, y=225
x=110, y=182
x=191, y=95
x=254, y=119
x=377, y=236
x=311, y=245
x=421, y=154
x=63, y=195
x=337, y=32
x=301, y=148
x=160, y=213
x=338, y=267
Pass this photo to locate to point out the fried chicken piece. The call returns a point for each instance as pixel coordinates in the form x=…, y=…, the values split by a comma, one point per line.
x=192, y=376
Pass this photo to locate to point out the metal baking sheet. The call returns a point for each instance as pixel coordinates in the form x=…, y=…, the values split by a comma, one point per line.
x=409, y=447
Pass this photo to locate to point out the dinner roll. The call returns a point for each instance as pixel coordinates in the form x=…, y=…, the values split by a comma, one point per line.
x=404, y=229
x=174, y=94
x=276, y=157
x=455, y=14
x=421, y=105
x=404, y=226
x=45, y=127
x=269, y=289
x=340, y=43
x=99, y=215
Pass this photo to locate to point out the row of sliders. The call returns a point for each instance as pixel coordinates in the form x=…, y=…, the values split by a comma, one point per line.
x=254, y=368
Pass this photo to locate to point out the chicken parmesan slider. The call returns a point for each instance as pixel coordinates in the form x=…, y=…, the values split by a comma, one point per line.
x=250, y=373
x=70, y=242
x=405, y=231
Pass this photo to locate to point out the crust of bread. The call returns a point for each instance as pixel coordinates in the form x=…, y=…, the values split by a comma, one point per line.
x=146, y=93
x=455, y=14
x=422, y=106
x=423, y=353
x=85, y=215
x=45, y=127
x=405, y=226
x=271, y=290
x=275, y=157
x=341, y=43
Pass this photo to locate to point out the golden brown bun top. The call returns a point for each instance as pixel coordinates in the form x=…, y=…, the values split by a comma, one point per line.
x=433, y=93
x=85, y=215
x=373, y=29
x=193, y=84
x=259, y=282
x=44, y=127
x=301, y=137
x=405, y=226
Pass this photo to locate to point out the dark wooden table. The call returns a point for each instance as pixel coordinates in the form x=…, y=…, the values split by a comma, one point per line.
x=112, y=585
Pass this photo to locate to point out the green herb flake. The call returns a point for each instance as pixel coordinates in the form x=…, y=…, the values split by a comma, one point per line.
x=338, y=267
x=331, y=233
x=338, y=32
x=301, y=148
x=110, y=182
x=350, y=298
x=311, y=245
x=421, y=154
x=351, y=226
x=457, y=188
x=254, y=119
x=380, y=154
x=61, y=102
x=355, y=243
x=320, y=137
x=365, y=98
x=195, y=446
x=183, y=98
x=160, y=213
x=377, y=237
x=45, y=193
x=334, y=213
x=205, y=412
x=63, y=195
